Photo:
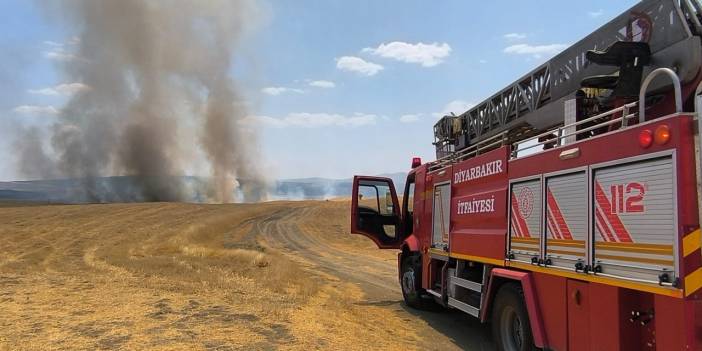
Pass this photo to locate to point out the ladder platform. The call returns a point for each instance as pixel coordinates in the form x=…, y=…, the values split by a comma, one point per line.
x=475, y=312
x=464, y=283
x=435, y=293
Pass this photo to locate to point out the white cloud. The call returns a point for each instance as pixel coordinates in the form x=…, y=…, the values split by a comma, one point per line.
x=456, y=107
x=36, y=110
x=322, y=84
x=314, y=120
x=409, y=118
x=53, y=43
x=359, y=65
x=428, y=55
x=595, y=14
x=60, y=55
x=535, y=50
x=275, y=91
x=514, y=36
x=61, y=89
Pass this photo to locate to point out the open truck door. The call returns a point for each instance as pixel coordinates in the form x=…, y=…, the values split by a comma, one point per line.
x=375, y=211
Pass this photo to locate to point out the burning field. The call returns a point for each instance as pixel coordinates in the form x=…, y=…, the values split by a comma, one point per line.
x=278, y=275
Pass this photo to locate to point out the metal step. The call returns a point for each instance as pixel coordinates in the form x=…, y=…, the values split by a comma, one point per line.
x=435, y=293
x=477, y=287
x=475, y=312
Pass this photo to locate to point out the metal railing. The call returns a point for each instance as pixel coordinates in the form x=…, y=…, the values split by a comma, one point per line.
x=644, y=86
x=471, y=151
x=569, y=130
x=562, y=132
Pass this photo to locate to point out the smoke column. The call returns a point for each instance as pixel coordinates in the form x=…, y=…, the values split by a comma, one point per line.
x=159, y=83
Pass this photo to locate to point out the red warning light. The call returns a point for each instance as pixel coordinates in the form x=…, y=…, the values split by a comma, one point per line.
x=416, y=162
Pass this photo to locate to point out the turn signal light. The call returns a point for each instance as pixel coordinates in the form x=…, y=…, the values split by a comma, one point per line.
x=416, y=162
x=645, y=138
x=662, y=134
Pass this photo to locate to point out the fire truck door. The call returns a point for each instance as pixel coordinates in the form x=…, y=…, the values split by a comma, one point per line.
x=375, y=212
x=578, y=315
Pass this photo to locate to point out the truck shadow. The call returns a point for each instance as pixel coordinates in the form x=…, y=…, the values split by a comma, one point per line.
x=465, y=331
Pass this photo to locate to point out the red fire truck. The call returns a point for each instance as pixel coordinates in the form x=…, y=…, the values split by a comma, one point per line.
x=564, y=209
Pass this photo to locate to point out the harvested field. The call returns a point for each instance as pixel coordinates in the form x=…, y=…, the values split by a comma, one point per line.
x=165, y=276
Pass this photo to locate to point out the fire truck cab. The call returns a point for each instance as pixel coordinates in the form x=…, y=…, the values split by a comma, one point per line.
x=564, y=210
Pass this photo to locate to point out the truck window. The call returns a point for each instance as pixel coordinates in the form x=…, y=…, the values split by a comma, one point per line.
x=408, y=207
x=377, y=198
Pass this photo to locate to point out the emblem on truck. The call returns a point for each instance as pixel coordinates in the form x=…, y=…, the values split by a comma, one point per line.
x=526, y=202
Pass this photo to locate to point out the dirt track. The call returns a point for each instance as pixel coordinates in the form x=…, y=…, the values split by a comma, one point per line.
x=282, y=275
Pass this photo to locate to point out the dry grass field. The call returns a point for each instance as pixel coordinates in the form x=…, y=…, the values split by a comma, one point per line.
x=279, y=275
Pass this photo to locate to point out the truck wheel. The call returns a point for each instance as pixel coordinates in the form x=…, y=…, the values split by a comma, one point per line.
x=510, y=320
x=411, y=282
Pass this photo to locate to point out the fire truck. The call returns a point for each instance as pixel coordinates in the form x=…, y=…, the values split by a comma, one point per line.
x=564, y=210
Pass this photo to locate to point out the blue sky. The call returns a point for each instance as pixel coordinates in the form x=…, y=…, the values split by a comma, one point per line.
x=337, y=87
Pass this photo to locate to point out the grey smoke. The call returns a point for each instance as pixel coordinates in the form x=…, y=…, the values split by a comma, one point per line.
x=159, y=78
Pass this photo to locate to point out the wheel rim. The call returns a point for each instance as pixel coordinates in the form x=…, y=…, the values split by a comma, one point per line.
x=511, y=329
x=408, y=282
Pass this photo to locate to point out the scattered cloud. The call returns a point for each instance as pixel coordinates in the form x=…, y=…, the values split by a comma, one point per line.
x=515, y=36
x=456, y=107
x=53, y=43
x=314, y=120
x=534, y=50
x=409, y=118
x=60, y=55
x=61, y=89
x=595, y=14
x=275, y=91
x=428, y=55
x=322, y=84
x=358, y=65
x=36, y=110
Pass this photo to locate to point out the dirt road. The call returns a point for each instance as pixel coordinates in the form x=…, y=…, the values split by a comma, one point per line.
x=281, y=275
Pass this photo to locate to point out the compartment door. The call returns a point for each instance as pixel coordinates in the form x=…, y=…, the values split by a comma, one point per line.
x=634, y=207
x=525, y=220
x=566, y=219
x=578, y=315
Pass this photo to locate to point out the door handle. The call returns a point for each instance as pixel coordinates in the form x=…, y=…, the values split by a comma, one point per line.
x=577, y=296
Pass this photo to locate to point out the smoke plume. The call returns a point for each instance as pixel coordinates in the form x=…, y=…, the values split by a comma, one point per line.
x=160, y=96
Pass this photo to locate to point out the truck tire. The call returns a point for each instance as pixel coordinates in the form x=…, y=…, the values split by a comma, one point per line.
x=510, y=320
x=411, y=282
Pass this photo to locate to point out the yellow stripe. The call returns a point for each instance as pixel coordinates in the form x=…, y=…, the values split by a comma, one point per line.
x=603, y=280
x=691, y=242
x=634, y=259
x=525, y=240
x=438, y=252
x=526, y=248
x=563, y=252
x=693, y=281
x=565, y=241
x=478, y=259
x=562, y=244
x=632, y=245
x=654, y=251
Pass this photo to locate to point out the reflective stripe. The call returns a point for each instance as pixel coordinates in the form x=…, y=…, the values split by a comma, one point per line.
x=693, y=281
x=691, y=242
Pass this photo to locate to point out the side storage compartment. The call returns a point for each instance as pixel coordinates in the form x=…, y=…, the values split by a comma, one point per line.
x=566, y=220
x=525, y=220
x=635, y=224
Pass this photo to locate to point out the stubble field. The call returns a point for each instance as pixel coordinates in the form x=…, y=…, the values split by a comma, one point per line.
x=168, y=276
